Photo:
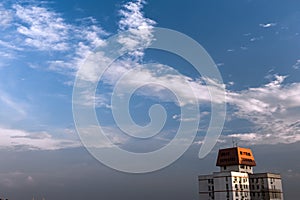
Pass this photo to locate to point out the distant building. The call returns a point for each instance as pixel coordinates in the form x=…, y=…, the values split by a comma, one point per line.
x=236, y=180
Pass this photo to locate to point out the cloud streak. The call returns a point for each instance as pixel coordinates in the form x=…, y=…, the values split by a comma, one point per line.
x=23, y=140
x=268, y=25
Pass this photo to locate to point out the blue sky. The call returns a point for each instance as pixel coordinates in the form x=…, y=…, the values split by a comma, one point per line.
x=255, y=45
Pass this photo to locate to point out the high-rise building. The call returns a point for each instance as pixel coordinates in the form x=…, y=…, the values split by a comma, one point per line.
x=236, y=180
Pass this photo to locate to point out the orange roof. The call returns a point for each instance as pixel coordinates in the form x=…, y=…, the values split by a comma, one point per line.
x=235, y=156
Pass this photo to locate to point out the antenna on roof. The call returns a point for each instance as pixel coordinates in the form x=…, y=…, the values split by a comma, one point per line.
x=234, y=143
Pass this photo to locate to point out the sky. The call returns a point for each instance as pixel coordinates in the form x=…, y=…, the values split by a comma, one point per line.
x=255, y=45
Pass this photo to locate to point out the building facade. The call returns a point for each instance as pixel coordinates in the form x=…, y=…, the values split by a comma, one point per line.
x=236, y=180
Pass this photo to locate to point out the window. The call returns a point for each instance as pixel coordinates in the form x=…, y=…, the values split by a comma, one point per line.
x=226, y=178
x=224, y=167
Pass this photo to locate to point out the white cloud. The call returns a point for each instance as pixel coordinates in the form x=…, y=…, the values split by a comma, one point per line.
x=88, y=37
x=6, y=17
x=256, y=38
x=273, y=109
x=24, y=140
x=139, y=27
x=244, y=48
x=164, y=78
x=267, y=25
x=297, y=65
x=6, y=55
x=91, y=139
x=42, y=28
x=10, y=46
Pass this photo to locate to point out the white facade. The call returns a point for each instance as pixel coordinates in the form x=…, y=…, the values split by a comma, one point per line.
x=224, y=185
x=240, y=186
x=266, y=186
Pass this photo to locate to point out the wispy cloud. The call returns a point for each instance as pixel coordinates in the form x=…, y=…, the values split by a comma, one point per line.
x=139, y=37
x=10, y=46
x=23, y=140
x=42, y=28
x=267, y=25
x=38, y=28
x=8, y=102
x=6, y=17
x=297, y=65
x=140, y=27
x=273, y=109
x=256, y=38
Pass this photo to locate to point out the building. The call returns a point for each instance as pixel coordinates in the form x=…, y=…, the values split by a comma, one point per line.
x=236, y=180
